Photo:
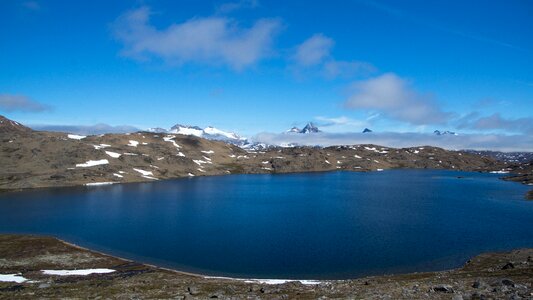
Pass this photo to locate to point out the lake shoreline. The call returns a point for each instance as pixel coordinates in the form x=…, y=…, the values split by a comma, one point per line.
x=511, y=176
x=498, y=275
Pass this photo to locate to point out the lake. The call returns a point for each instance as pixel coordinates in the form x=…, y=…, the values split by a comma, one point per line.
x=330, y=225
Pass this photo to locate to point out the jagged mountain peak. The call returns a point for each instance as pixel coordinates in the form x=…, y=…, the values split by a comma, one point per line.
x=310, y=128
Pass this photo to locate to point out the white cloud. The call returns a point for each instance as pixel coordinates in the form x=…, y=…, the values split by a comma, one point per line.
x=497, y=142
x=210, y=40
x=314, y=50
x=315, y=54
x=393, y=97
x=12, y=103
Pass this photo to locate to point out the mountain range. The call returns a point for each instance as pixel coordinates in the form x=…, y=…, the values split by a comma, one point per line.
x=209, y=132
x=309, y=128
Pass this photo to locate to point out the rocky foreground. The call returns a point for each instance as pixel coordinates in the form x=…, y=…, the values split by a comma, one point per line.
x=33, y=159
x=32, y=261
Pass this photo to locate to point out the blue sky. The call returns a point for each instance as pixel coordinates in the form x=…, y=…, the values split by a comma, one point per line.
x=255, y=66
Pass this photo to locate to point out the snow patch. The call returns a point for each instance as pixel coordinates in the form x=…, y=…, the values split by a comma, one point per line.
x=170, y=139
x=91, y=163
x=113, y=154
x=76, y=137
x=12, y=278
x=133, y=143
x=99, y=183
x=269, y=281
x=208, y=152
x=499, y=172
x=200, y=162
x=81, y=272
x=143, y=172
x=101, y=146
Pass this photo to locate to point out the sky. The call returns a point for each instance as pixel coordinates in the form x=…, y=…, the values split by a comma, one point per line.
x=257, y=67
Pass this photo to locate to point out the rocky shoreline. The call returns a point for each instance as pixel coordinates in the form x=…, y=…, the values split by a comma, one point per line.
x=41, y=265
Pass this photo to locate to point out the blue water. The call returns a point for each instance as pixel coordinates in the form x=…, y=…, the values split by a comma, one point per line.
x=315, y=225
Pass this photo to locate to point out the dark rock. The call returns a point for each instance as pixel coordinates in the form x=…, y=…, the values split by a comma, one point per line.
x=443, y=288
x=508, y=282
x=476, y=284
x=478, y=296
x=193, y=290
x=56, y=176
x=508, y=265
x=12, y=288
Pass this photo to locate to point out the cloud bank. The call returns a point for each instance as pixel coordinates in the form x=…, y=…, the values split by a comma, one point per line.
x=211, y=40
x=393, y=97
x=86, y=129
x=20, y=103
x=398, y=140
x=496, y=122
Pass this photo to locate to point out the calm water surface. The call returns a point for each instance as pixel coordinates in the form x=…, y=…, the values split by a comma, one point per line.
x=315, y=225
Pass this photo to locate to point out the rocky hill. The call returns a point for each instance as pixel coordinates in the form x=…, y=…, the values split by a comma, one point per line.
x=8, y=126
x=33, y=159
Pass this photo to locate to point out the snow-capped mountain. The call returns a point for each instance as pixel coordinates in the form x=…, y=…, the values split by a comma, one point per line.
x=217, y=134
x=210, y=133
x=187, y=130
x=447, y=132
x=309, y=128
